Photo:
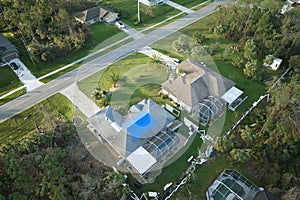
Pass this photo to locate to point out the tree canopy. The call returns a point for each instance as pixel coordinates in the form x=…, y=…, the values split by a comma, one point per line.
x=47, y=27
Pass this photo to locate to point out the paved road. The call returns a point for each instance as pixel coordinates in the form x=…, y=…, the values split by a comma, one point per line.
x=31, y=98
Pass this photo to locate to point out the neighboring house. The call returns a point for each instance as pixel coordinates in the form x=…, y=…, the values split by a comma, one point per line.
x=142, y=137
x=151, y=2
x=275, y=64
x=96, y=14
x=198, y=90
x=7, y=50
x=231, y=185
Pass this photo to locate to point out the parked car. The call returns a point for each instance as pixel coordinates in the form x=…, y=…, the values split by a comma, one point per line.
x=120, y=25
x=14, y=65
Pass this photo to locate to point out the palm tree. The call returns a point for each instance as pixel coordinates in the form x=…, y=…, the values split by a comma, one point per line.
x=114, y=78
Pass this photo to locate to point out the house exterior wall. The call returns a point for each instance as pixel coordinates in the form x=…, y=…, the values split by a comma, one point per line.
x=182, y=105
x=92, y=21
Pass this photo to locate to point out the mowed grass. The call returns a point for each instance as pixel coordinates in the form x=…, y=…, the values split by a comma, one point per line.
x=204, y=176
x=149, y=16
x=39, y=118
x=135, y=70
x=8, y=80
x=12, y=96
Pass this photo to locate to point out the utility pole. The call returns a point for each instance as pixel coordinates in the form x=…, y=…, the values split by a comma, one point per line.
x=27, y=49
x=139, y=18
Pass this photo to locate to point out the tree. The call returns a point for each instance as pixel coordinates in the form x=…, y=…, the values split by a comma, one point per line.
x=114, y=78
x=237, y=61
x=156, y=59
x=240, y=155
x=197, y=35
x=247, y=135
x=198, y=51
x=223, y=144
x=294, y=61
x=182, y=45
x=226, y=52
x=214, y=47
x=250, y=50
x=269, y=59
x=250, y=70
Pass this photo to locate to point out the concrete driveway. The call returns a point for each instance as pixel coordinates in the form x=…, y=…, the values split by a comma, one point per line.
x=25, y=76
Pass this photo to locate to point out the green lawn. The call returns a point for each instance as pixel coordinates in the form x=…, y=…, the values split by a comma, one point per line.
x=12, y=96
x=139, y=78
x=8, y=80
x=205, y=174
x=128, y=12
x=38, y=118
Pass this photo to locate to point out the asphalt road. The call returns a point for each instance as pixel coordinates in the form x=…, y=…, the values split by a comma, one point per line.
x=31, y=98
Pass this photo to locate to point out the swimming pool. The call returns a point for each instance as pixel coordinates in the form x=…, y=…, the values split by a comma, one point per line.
x=140, y=124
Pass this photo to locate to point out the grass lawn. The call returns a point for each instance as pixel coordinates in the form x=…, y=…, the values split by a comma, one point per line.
x=205, y=174
x=149, y=16
x=38, y=118
x=139, y=78
x=12, y=96
x=8, y=80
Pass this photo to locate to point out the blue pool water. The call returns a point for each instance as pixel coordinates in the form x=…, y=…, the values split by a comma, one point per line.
x=140, y=124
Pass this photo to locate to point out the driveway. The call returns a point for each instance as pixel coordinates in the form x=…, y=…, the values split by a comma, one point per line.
x=25, y=76
x=132, y=32
x=80, y=100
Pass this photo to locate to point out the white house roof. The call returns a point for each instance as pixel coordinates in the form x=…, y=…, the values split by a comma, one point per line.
x=141, y=160
x=232, y=94
x=276, y=63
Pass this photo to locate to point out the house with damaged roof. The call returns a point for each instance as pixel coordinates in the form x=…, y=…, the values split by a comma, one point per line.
x=201, y=91
x=96, y=14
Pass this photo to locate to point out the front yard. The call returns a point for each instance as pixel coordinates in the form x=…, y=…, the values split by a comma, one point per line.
x=9, y=80
x=137, y=77
x=149, y=15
